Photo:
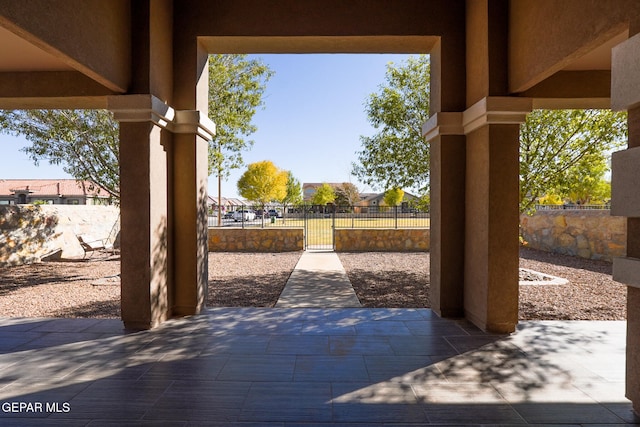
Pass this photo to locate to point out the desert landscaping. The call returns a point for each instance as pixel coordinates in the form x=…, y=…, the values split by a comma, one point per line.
x=90, y=288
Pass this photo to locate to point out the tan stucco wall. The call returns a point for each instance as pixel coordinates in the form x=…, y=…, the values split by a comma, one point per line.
x=547, y=35
x=383, y=240
x=590, y=234
x=29, y=232
x=256, y=239
x=91, y=37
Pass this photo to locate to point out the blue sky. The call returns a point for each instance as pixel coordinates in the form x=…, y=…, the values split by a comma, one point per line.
x=311, y=123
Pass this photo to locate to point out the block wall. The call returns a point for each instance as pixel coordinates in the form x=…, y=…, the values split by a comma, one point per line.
x=593, y=234
x=382, y=240
x=256, y=239
x=30, y=232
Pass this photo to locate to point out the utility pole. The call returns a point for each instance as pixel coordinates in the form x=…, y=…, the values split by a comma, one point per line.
x=220, y=186
x=219, y=198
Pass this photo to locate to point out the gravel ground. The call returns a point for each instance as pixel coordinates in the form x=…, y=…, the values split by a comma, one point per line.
x=61, y=289
x=394, y=280
x=591, y=293
x=248, y=279
x=91, y=288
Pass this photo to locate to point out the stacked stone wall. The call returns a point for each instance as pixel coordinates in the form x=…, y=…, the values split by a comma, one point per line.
x=30, y=232
x=593, y=234
x=382, y=240
x=256, y=239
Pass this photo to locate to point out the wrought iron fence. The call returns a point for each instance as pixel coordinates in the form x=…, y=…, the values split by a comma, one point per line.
x=352, y=216
x=572, y=206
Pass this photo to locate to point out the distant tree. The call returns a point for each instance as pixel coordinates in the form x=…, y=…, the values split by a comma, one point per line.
x=422, y=203
x=584, y=182
x=565, y=152
x=262, y=183
x=397, y=155
x=323, y=195
x=393, y=196
x=550, y=199
x=347, y=194
x=293, y=195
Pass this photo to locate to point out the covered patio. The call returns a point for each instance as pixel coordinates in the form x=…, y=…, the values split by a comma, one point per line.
x=293, y=367
x=492, y=62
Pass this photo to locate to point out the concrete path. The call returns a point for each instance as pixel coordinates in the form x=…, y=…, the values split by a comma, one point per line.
x=318, y=280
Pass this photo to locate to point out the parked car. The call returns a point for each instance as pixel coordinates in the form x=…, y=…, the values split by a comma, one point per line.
x=275, y=213
x=229, y=215
x=244, y=215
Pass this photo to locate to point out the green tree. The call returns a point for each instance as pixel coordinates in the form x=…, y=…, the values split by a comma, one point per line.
x=393, y=196
x=293, y=195
x=422, y=203
x=584, y=182
x=565, y=152
x=262, y=183
x=397, y=155
x=323, y=195
x=86, y=143
x=236, y=88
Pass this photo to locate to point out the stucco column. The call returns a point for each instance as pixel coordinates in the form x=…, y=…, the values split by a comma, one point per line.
x=444, y=132
x=492, y=215
x=193, y=130
x=145, y=251
x=189, y=196
x=163, y=180
x=625, y=179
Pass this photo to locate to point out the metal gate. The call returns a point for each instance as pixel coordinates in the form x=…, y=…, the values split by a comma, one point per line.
x=319, y=226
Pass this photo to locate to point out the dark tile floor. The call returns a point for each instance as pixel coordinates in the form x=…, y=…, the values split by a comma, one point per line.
x=310, y=367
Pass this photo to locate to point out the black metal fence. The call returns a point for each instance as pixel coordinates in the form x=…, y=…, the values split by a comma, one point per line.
x=572, y=206
x=353, y=216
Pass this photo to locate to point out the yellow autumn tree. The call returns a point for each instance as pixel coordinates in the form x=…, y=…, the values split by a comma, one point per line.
x=263, y=182
x=393, y=196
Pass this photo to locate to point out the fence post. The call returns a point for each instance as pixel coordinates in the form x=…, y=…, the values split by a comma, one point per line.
x=353, y=216
x=333, y=228
x=306, y=226
x=396, y=216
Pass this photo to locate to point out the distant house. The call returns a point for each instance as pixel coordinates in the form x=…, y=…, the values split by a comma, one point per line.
x=51, y=191
x=228, y=203
x=367, y=200
x=373, y=200
x=310, y=188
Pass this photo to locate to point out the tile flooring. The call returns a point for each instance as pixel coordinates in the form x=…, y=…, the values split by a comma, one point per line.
x=310, y=367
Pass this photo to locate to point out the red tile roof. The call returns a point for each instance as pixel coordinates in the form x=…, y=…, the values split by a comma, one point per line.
x=50, y=187
x=226, y=201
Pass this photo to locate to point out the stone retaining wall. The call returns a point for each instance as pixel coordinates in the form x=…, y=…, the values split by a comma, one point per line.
x=382, y=240
x=30, y=232
x=593, y=234
x=256, y=239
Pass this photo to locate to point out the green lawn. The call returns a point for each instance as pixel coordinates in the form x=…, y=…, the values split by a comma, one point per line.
x=320, y=231
x=321, y=223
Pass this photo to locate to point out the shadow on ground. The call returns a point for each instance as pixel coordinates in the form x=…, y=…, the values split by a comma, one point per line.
x=274, y=366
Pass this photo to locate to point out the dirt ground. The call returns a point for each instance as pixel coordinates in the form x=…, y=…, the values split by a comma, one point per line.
x=90, y=288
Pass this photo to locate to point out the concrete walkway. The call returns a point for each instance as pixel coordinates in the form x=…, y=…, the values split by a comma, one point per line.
x=318, y=280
